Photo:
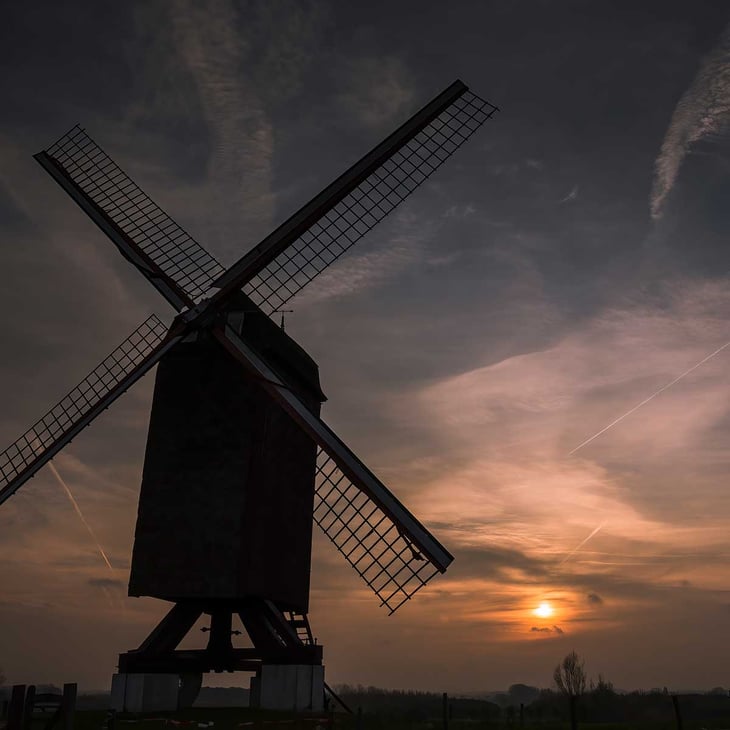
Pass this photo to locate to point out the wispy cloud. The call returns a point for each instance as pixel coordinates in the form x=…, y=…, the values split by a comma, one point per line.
x=703, y=111
x=376, y=90
x=460, y=211
x=80, y=514
x=240, y=174
x=409, y=236
x=582, y=543
x=572, y=195
x=650, y=398
x=505, y=493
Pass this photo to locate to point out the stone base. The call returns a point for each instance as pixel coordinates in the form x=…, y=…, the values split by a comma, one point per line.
x=297, y=687
x=145, y=692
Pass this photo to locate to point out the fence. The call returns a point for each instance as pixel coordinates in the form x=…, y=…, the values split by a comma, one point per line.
x=25, y=704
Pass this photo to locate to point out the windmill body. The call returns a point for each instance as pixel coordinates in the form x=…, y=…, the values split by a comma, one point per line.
x=225, y=508
x=238, y=463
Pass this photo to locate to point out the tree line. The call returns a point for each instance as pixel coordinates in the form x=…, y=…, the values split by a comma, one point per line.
x=573, y=696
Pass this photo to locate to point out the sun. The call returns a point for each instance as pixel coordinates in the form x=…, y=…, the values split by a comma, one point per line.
x=544, y=610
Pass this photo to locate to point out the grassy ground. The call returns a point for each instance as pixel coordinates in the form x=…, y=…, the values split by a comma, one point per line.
x=223, y=718
x=194, y=719
x=247, y=719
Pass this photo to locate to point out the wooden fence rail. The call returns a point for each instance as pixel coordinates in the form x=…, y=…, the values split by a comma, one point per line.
x=24, y=703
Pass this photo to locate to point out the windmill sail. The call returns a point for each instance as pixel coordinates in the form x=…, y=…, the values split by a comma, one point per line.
x=388, y=547
x=173, y=261
x=97, y=391
x=321, y=231
x=392, y=550
x=370, y=540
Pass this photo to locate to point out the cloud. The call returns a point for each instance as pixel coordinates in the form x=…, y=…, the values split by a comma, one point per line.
x=572, y=195
x=460, y=211
x=492, y=477
x=404, y=243
x=376, y=90
x=703, y=111
x=284, y=36
x=239, y=166
x=105, y=582
x=547, y=630
x=13, y=218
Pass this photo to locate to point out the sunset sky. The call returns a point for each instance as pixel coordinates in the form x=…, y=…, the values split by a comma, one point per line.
x=567, y=264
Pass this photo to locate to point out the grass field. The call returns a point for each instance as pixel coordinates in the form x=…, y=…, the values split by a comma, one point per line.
x=247, y=719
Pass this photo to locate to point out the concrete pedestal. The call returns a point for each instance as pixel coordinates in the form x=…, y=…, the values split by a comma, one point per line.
x=298, y=687
x=145, y=692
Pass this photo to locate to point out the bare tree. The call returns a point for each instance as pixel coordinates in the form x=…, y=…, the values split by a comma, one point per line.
x=570, y=676
x=2, y=677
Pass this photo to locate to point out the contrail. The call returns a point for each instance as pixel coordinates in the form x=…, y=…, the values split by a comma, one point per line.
x=646, y=400
x=580, y=545
x=80, y=514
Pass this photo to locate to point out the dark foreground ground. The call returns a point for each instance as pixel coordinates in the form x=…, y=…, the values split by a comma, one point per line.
x=245, y=719
x=377, y=709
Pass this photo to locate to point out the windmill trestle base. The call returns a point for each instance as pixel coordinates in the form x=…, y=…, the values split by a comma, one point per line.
x=297, y=687
x=193, y=661
x=288, y=668
x=145, y=692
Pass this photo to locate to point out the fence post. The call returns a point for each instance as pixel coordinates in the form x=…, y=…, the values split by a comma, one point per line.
x=358, y=720
x=522, y=714
x=677, y=712
x=28, y=707
x=445, y=710
x=111, y=719
x=68, y=705
x=15, y=710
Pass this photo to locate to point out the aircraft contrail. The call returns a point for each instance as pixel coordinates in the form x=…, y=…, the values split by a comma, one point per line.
x=646, y=400
x=80, y=514
x=580, y=545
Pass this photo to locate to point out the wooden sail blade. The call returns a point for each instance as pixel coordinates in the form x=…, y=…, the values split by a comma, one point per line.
x=322, y=230
x=369, y=539
x=170, y=258
x=408, y=541
x=96, y=392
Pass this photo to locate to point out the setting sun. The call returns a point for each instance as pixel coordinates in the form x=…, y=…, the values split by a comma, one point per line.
x=544, y=610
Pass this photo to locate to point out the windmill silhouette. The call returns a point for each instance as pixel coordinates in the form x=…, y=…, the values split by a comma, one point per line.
x=238, y=462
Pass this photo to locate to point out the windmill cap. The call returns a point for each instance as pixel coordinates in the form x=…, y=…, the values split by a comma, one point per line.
x=283, y=353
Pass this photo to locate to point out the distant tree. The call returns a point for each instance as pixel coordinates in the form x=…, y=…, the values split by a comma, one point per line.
x=601, y=700
x=603, y=686
x=570, y=677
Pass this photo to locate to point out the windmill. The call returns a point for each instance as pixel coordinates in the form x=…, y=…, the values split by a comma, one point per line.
x=238, y=463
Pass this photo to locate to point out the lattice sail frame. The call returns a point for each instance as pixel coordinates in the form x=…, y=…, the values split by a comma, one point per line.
x=51, y=432
x=174, y=251
x=365, y=206
x=367, y=538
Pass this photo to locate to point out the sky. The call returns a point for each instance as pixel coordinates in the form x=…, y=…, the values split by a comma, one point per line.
x=558, y=278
